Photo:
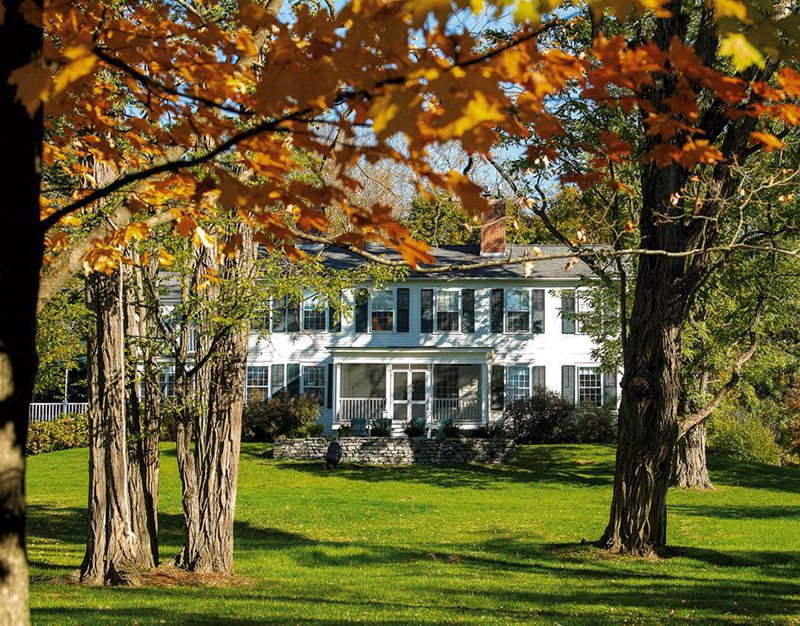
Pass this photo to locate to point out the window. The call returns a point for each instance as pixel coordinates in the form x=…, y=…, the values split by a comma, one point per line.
x=583, y=307
x=518, y=310
x=448, y=309
x=314, y=313
x=590, y=386
x=519, y=383
x=257, y=387
x=279, y=314
x=278, y=379
x=166, y=383
x=259, y=321
x=314, y=381
x=383, y=310
x=445, y=381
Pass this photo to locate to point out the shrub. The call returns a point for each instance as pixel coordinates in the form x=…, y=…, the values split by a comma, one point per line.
x=743, y=436
x=448, y=428
x=381, y=428
x=70, y=431
x=544, y=417
x=495, y=430
x=345, y=431
x=415, y=427
x=595, y=424
x=281, y=415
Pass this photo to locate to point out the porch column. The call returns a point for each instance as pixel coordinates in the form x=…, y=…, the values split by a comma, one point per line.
x=337, y=381
x=484, y=391
x=387, y=407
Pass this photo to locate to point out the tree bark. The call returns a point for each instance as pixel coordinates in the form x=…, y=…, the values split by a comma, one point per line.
x=142, y=437
x=217, y=447
x=113, y=554
x=689, y=469
x=648, y=425
x=209, y=546
x=20, y=262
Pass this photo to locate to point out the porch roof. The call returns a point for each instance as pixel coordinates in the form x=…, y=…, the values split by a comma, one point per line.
x=351, y=354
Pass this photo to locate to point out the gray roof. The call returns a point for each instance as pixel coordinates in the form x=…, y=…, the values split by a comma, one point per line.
x=341, y=259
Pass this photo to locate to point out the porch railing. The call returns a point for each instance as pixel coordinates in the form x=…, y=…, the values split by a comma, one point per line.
x=51, y=411
x=457, y=409
x=360, y=409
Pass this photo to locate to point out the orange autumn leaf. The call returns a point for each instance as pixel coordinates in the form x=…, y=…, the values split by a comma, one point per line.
x=769, y=142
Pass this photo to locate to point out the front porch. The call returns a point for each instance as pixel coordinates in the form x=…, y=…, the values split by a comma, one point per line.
x=400, y=388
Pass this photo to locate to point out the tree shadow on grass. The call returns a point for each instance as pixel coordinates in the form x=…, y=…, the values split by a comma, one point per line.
x=582, y=581
x=754, y=475
x=729, y=511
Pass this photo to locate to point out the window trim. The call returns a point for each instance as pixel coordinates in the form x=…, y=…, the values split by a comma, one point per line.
x=506, y=311
x=527, y=368
x=309, y=295
x=460, y=311
x=247, y=386
x=595, y=367
x=324, y=397
x=393, y=291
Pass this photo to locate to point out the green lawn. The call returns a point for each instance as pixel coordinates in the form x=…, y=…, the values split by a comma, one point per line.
x=435, y=545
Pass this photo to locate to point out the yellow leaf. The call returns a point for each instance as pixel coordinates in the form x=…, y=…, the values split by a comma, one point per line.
x=165, y=258
x=742, y=52
x=75, y=69
x=479, y=111
x=32, y=81
x=730, y=8
x=202, y=238
x=386, y=110
x=770, y=142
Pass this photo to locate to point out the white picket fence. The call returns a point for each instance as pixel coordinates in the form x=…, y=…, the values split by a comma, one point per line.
x=51, y=411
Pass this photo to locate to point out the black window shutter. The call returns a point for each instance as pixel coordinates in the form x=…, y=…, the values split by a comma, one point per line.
x=293, y=317
x=497, y=310
x=538, y=376
x=426, y=307
x=467, y=310
x=568, y=383
x=402, y=309
x=498, y=386
x=293, y=379
x=362, y=311
x=568, y=312
x=329, y=394
x=610, y=390
x=537, y=318
x=334, y=320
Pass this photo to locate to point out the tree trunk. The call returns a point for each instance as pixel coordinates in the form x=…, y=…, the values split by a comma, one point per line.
x=218, y=445
x=689, y=469
x=648, y=425
x=20, y=262
x=113, y=554
x=209, y=546
x=142, y=442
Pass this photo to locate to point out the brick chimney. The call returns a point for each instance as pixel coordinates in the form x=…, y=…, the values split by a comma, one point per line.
x=493, y=228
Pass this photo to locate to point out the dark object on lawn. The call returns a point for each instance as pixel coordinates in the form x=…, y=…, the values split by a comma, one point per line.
x=333, y=455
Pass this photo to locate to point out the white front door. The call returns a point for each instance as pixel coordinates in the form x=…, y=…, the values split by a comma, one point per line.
x=409, y=394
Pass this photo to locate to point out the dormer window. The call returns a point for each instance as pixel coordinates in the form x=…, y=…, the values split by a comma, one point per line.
x=382, y=318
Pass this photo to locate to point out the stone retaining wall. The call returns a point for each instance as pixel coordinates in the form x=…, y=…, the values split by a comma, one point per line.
x=401, y=450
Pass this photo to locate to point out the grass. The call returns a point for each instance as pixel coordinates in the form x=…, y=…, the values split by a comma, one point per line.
x=435, y=545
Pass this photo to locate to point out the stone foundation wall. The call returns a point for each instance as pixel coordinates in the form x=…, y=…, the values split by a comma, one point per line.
x=401, y=450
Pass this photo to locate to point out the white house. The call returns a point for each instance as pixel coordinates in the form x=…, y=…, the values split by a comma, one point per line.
x=458, y=345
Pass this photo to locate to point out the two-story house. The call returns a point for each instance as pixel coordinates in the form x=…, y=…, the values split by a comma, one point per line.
x=459, y=345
